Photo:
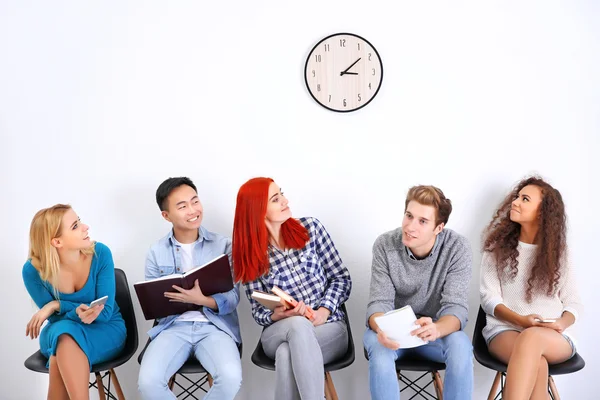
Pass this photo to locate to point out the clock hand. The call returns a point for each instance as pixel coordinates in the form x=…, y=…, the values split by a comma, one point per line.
x=346, y=70
x=349, y=73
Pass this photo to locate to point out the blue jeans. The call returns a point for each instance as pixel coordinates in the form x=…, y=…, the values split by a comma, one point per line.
x=216, y=351
x=455, y=350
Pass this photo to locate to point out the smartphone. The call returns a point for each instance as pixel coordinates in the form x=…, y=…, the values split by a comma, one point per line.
x=546, y=320
x=99, y=301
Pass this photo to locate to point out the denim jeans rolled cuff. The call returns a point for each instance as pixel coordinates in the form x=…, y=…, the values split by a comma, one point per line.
x=455, y=350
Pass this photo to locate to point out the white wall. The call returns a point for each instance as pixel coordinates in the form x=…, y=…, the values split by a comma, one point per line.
x=101, y=101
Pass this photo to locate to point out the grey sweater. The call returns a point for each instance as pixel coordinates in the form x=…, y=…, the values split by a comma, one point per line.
x=436, y=286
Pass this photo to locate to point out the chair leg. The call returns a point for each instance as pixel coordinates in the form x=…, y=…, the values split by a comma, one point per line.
x=553, y=389
x=327, y=392
x=494, y=387
x=437, y=383
x=330, y=393
x=210, y=380
x=117, y=385
x=101, y=395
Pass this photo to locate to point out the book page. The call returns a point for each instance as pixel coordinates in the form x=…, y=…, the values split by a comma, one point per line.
x=191, y=271
x=270, y=301
x=172, y=276
x=398, y=324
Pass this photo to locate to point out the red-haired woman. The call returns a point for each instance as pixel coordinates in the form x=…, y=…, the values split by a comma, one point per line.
x=270, y=248
x=526, y=279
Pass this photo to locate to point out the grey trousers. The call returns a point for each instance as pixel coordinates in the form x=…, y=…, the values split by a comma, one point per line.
x=300, y=350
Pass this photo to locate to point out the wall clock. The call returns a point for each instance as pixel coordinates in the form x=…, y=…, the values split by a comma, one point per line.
x=343, y=72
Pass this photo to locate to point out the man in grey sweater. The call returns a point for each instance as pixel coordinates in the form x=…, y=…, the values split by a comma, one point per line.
x=423, y=265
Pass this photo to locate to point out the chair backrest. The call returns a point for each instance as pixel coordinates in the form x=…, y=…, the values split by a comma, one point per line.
x=479, y=345
x=123, y=298
x=350, y=339
x=348, y=357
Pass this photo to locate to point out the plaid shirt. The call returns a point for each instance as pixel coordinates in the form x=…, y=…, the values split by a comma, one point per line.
x=314, y=274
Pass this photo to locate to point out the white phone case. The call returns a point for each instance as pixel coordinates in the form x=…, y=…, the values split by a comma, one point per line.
x=99, y=301
x=546, y=320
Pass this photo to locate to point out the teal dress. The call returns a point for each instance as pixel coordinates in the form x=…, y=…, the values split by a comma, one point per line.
x=101, y=340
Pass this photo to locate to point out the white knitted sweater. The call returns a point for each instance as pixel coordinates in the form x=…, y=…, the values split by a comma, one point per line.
x=512, y=293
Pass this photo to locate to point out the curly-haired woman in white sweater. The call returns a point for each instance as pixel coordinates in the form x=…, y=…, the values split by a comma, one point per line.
x=526, y=278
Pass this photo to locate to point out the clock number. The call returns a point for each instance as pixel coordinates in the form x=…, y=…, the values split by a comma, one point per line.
x=344, y=102
x=342, y=42
x=369, y=86
x=313, y=72
x=359, y=99
x=358, y=45
x=318, y=88
x=330, y=98
x=326, y=47
x=373, y=71
x=369, y=56
x=317, y=57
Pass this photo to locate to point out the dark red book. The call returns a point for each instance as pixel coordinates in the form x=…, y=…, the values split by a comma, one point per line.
x=213, y=277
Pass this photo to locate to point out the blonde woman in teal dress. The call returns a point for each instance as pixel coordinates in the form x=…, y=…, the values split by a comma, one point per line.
x=65, y=272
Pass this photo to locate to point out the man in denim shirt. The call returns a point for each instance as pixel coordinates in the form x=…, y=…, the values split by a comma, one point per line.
x=211, y=334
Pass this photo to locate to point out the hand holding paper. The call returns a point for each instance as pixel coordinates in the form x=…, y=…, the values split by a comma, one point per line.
x=398, y=326
x=427, y=331
x=386, y=342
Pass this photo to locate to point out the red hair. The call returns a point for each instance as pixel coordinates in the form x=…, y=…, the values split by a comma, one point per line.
x=250, y=234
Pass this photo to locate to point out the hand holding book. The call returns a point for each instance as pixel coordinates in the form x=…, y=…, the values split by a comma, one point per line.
x=307, y=312
x=283, y=305
x=191, y=296
x=300, y=310
x=177, y=293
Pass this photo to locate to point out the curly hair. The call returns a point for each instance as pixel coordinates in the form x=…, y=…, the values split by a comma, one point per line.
x=501, y=238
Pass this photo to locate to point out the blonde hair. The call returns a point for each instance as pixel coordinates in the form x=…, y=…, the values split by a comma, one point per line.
x=45, y=226
x=431, y=196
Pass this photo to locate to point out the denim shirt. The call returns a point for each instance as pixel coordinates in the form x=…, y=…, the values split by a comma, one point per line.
x=164, y=258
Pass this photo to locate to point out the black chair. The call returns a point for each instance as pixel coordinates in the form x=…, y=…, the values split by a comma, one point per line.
x=416, y=364
x=37, y=362
x=191, y=366
x=483, y=356
x=260, y=359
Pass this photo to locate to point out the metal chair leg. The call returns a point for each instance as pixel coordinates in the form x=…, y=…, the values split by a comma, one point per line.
x=423, y=392
x=187, y=387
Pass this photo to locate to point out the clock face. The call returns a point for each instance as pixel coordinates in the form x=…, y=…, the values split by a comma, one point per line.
x=343, y=72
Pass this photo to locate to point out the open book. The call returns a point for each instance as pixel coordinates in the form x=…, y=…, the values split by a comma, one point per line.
x=279, y=298
x=213, y=277
x=398, y=324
